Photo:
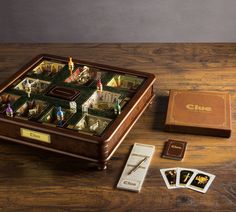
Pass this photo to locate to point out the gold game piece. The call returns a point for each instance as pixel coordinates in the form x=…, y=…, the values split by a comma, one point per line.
x=71, y=65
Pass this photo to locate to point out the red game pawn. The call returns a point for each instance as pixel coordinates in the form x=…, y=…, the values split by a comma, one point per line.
x=99, y=85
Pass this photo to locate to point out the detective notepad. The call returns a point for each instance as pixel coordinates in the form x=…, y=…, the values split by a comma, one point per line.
x=199, y=112
x=136, y=167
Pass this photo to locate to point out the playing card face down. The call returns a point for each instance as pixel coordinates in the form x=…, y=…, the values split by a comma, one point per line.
x=183, y=176
x=200, y=181
x=169, y=176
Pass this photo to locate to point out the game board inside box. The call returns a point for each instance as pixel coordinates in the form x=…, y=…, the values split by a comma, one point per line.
x=87, y=100
x=51, y=84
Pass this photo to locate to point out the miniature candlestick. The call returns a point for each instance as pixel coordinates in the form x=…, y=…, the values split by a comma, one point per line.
x=117, y=107
x=9, y=111
x=71, y=66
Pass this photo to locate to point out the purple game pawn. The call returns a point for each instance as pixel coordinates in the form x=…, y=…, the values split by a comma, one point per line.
x=9, y=110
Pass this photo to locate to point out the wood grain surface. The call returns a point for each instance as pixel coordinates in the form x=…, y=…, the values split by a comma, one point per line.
x=37, y=180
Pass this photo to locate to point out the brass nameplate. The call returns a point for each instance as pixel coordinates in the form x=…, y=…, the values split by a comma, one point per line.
x=35, y=135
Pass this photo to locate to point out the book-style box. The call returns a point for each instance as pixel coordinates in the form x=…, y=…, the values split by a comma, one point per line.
x=199, y=112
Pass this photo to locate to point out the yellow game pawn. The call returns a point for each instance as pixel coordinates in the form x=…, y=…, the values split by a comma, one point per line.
x=71, y=66
x=118, y=81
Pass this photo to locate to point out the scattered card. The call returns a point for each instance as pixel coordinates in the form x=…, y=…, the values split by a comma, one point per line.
x=183, y=176
x=169, y=176
x=200, y=181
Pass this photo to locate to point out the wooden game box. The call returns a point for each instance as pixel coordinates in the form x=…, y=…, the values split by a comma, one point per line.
x=199, y=112
x=90, y=128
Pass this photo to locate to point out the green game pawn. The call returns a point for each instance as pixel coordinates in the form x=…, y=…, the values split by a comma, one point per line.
x=117, y=107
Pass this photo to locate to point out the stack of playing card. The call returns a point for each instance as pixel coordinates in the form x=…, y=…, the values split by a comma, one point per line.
x=187, y=178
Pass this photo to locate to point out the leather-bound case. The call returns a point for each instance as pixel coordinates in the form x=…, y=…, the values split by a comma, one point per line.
x=174, y=149
x=198, y=112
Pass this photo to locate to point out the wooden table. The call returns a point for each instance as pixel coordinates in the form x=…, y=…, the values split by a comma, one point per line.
x=36, y=180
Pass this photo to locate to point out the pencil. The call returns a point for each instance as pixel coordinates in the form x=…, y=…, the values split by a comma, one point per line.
x=138, y=165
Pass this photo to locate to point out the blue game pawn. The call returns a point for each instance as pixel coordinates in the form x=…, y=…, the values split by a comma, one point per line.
x=9, y=111
x=60, y=116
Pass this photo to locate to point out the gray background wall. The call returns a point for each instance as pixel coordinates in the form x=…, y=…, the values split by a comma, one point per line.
x=117, y=20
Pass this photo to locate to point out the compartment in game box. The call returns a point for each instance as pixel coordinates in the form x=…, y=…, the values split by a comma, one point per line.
x=90, y=124
x=31, y=109
x=32, y=86
x=83, y=76
x=7, y=98
x=104, y=100
x=127, y=82
x=56, y=116
x=46, y=69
